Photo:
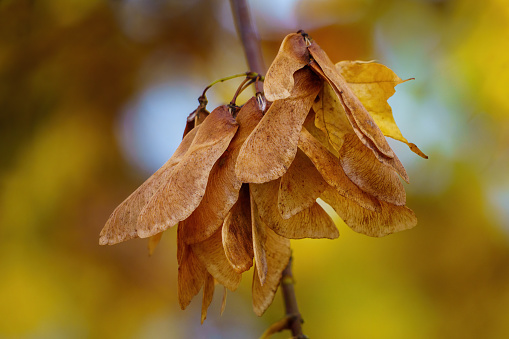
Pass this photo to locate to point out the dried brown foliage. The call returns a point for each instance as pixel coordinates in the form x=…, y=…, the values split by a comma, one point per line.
x=241, y=185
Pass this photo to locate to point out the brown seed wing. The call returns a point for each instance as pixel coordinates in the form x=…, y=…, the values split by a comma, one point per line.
x=181, y=244
x=300, y=186
x=121, y=225
x=223, y=301
x=390, y=219
x=237, y=236
x=372, y=176
x=211, y=253
x=330, y=168
x=359, y=118
x=393, y=162
x=208, y=294
x=312, y=222
x=259, y=241
x=191, y=277
x=186, y=186
x=223, y=185
x=292, y=56
x=278, y=254
x=270, y=149
x=153, y=241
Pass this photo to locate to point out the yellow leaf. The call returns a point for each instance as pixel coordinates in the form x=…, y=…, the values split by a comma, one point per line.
x=310, y=125
x=373, y=84
x=359, y=118
x=330, y=117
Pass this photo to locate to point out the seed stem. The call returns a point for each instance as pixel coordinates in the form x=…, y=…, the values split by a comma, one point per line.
x=248, y=75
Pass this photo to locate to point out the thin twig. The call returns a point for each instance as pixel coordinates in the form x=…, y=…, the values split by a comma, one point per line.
x=287, y=286
x=238, y=91
x=250, y=75
x=278, y=326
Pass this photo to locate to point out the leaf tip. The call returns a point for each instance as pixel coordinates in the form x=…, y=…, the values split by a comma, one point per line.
x=416, y=150
x=103, y=240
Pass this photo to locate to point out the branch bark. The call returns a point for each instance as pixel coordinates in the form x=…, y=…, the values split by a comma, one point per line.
x=292, y=310
x=251, y=43
x=248, y=35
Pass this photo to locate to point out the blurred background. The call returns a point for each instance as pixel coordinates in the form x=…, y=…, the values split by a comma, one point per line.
x=93, y=99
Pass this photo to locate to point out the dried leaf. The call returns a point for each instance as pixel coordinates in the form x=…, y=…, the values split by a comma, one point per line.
x=318, y=134
x=390, y=219
x=237, y=237
x=292, y=56
x=339, y=134
x=223, y=185
x=176, y=200
x=300, y=186
x=330, y=168
x=195, y=118
x=373, y=177
x=330, y=117
x=270, y=149
x=223, y=302
x=181, y=244
x=312, y=222
x=373, y=83
x=211, y=253
x=259, y=239
x=278, y=255
x=393, y=163
x=121, y=225
x=208, y=294
x=153, y=241
x=191, y=277
x=359, y=118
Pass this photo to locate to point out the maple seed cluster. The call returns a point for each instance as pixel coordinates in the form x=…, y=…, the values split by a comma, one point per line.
x=240, y=188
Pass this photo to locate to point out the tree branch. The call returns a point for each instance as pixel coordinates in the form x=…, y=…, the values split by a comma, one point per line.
x=249, y=36
x=287, y=282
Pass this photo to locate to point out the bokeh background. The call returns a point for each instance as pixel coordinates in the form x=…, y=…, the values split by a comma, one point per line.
x=93, y=99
